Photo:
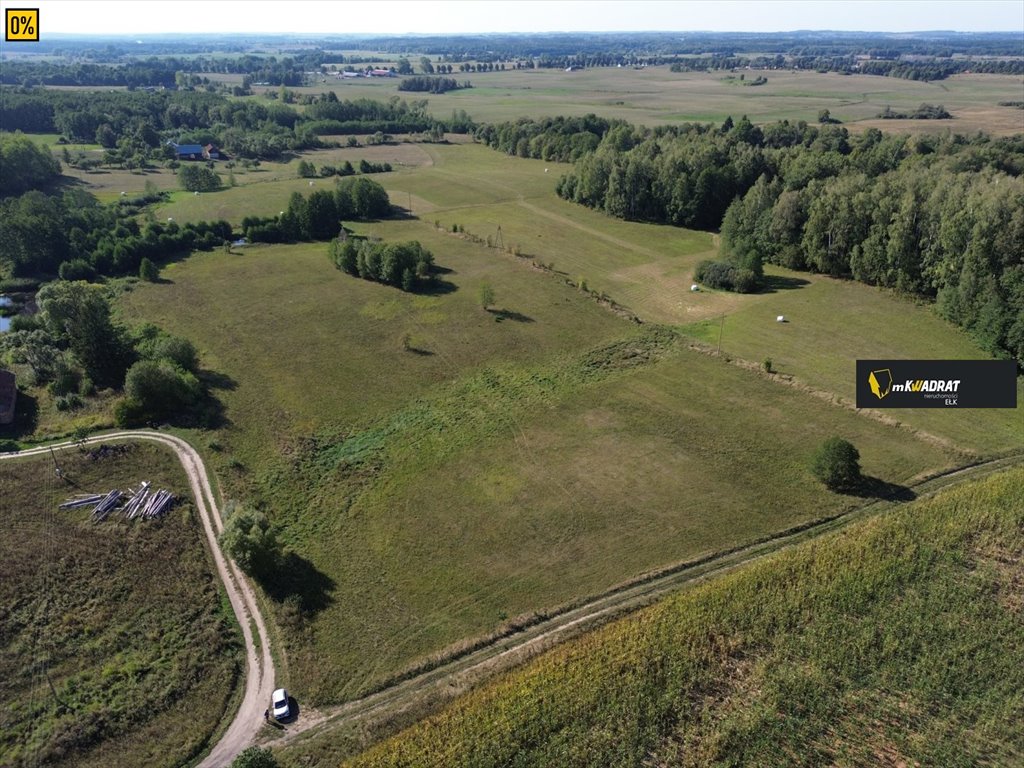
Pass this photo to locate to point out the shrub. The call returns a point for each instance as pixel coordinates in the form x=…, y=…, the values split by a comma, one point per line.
x=77, y=269
x=250, y=541
x=148, y=271
x=156, y=390
x=65, y=380
x=255, y=757
x=69, y=402
x=837, y=464
x=724, y=276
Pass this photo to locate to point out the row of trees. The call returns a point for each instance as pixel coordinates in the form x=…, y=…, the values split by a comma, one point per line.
x=850, y=64
x=404, y=265
x=307, y=170
x=75, y=235
x=432, y=84
x=320, y=215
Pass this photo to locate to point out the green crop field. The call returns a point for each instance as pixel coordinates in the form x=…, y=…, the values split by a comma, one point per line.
x=117, y=649
x=895, y=642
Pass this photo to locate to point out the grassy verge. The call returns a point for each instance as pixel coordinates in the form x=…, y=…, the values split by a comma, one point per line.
x=894, y=641
x=116, y=647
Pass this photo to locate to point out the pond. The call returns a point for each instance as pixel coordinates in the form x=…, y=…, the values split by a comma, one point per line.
x=5, y=322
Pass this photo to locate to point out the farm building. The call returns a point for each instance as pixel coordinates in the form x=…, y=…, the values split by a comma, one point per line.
x=195, y=151
x=8, y=396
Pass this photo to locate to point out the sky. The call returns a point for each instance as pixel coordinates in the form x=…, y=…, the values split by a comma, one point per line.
x=140, y=17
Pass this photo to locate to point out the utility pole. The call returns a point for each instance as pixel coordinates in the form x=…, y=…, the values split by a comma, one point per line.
x=57, y=469
x=721, y=329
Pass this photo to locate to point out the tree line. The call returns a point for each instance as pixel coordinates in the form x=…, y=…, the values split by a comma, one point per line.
x=320, y=215
x=138, y=124
x=407, y=265
x=941, y=217
x=931, y=69
x=430, y=84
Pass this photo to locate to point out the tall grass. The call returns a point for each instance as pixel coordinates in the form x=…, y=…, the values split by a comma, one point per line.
x=115, y=647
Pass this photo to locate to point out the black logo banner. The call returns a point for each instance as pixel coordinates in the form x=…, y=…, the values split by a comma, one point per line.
x=936, y=384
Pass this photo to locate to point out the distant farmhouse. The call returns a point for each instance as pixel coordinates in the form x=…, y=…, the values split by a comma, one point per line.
x=8, y=396
x=195, y=151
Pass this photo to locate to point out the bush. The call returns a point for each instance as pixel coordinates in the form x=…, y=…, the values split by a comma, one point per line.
x=156, y=390
x=196, y=178
x=148, y=271
x=65, y=380
x=78, y=269
x=255, y=757
x=724, y=276
x=69, y=402
x=250, y=541
x=837, y=464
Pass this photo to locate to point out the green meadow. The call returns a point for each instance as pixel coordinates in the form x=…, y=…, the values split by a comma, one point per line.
x=893, y=642
x=831, y=323
x=656, y=95
x=442, y=470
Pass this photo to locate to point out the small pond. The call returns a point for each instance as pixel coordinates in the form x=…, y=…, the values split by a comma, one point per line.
x=5, y=322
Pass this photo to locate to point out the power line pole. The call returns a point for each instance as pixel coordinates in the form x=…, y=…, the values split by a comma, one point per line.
x=721, y=329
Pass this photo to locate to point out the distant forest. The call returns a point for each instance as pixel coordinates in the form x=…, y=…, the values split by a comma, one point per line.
x=162, y=60
x=135, y=126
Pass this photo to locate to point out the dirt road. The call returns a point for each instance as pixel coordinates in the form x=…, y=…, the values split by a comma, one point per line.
x=260, y=675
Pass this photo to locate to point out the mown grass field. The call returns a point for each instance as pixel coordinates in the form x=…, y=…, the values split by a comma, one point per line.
x=437, y=492
x=831, y=323
x=117, y=649
x=523, y=488
x=894, y=642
